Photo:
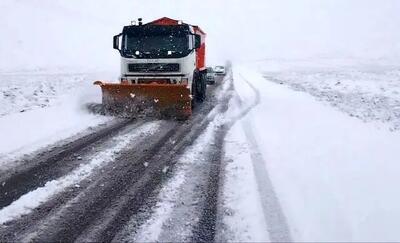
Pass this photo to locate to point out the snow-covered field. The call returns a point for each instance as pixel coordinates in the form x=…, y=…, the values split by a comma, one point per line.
x=334, y=175
x=40, y=108
x=369, y=91
x=22, y=92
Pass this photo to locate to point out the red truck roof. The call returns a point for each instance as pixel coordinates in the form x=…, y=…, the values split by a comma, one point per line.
x=169, y=21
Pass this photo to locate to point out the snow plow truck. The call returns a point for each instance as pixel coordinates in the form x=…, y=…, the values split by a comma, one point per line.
x=163, y=70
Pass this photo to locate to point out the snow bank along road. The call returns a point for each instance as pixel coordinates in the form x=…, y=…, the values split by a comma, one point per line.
x=136, y=179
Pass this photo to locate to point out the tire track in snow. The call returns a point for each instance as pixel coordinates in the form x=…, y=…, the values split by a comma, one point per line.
x=138, y=186
x=50, y=164
x=179, y=205
x=29, y=201
x=181, y=214
x=278, y=227
x=185, y=208
x=205, y=230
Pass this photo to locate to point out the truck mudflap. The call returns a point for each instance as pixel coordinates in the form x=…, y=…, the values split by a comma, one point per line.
x=159, y=100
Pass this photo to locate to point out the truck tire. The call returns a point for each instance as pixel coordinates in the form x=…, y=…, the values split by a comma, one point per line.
x=200, y=87
x=203, y=81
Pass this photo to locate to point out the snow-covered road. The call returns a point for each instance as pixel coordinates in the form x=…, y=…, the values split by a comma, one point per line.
x=258, y=161
x=85, y=187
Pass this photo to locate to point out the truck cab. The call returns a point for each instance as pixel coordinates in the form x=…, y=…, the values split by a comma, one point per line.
x=164, y=51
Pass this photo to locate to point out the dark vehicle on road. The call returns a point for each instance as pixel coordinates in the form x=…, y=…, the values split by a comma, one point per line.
x=210, y=75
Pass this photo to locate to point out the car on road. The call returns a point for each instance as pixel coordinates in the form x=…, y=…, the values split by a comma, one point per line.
x=210, y=75
x=219, y=70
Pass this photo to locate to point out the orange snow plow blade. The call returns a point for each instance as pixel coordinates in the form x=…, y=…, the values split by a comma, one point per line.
x=130, y=100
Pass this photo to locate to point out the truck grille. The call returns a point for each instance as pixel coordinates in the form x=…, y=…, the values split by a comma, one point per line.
x=153, y=67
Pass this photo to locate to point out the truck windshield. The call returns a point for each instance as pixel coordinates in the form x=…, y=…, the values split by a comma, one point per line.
x=156, y=46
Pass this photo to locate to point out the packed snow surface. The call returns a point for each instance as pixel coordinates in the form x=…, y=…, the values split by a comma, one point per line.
x=335, y=176
x=242, y=215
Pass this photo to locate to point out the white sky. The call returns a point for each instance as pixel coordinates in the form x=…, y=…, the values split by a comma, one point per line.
x=80, y=31
x=256, y=29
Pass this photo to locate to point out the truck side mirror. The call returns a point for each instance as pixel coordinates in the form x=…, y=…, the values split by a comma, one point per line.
x=116, y=42
x=197, y=41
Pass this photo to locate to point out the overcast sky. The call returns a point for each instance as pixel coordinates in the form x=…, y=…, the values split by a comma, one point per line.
x=80, y=31
x=251, y=29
